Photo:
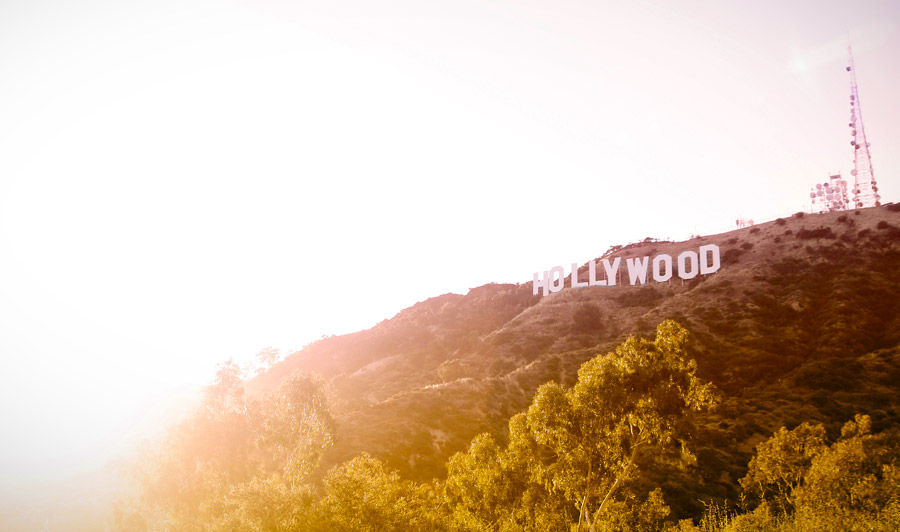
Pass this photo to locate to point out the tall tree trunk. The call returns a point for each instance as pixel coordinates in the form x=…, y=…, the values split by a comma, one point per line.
x=615, y=484
x=587, y=490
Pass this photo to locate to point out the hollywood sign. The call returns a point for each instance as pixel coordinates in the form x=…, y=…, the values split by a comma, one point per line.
x=689, y=264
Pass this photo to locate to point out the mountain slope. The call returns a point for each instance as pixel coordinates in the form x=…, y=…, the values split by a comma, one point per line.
x=800, y=323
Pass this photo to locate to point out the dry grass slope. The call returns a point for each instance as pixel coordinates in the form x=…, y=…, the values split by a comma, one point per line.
x=801, y=323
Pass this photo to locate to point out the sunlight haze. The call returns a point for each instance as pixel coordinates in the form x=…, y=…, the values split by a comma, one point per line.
x=186, y=182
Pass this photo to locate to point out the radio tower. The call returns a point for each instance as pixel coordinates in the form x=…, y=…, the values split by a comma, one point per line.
x=865, y=190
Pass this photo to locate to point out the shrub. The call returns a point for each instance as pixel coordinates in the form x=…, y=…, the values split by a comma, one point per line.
x=696, y=281
x=587, y=319
x=644, y=296
x=754, y=230
x=799, y=214
x=893, y=207
x=451, y=370
x=842, y=218
x=892, y=232
x=747, y=246
x=780, y=221
x=821, y=232
x=731, y=256
x=612, y=249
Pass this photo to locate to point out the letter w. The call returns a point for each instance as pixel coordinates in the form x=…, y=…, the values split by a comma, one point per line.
x=637, y=270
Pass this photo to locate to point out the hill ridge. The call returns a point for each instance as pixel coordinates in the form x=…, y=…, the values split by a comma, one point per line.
x=793, y=296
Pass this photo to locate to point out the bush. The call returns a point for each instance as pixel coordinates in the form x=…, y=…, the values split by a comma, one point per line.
x=892, y=232
x=747, y=246
x=799, y=214
x=780, y=221
x=645, y=296
x=754, y=230
x=587, y=319
x=821, y=232
x=612, y=249
x=731, y=256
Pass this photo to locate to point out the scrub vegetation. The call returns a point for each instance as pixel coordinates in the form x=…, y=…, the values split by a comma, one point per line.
x=764, y=397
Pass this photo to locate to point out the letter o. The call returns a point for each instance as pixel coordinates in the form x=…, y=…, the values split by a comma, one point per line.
x=557, y=279
x=694, y=259
x=657, y=275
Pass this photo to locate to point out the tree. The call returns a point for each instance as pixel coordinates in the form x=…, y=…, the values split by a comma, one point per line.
x=265, y=504
x=240, y=463
x=638, y=397
x=361, y=495
x=857, y=473
x=573, y=449
x=266, y=358
x=227, y=393
x=852, y=484
x=488, y=488
x=204, y=456
x=640, y=516
x=781, y=463
x=297, y=428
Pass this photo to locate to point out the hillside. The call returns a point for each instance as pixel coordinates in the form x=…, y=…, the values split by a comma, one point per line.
x=800, y=323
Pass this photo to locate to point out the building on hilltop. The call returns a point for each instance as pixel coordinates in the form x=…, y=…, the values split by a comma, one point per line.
x=830, y=195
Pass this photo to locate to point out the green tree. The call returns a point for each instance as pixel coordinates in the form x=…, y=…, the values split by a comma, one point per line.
x=266, y=505
x=489, y=488
x=203, y=457
x=639, y=397
x=361, y=495
x=297, y=427
x=238, y=463
x=852, y=484
x=781, y=463
x=859, y=472
x=573, y=449
x=646, y=515
x=266, y=358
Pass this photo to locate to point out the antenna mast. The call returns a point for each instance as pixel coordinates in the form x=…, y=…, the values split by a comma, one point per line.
x=865, y=190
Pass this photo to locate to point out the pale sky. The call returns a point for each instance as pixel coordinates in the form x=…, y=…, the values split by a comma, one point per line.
x=183, y=182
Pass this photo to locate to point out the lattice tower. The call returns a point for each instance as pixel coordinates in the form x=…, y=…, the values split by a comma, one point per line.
x=865, y=189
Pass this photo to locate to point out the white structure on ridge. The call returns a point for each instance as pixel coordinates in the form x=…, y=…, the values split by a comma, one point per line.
x=830, y=195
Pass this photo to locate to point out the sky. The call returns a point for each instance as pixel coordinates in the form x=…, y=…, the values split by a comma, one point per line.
x=185, y=182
